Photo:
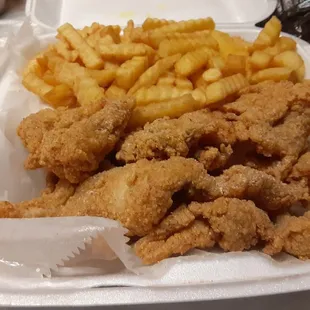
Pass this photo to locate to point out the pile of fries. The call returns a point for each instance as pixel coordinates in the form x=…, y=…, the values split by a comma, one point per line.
x=169, y=67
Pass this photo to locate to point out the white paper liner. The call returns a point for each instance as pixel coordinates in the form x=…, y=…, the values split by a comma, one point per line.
x=92, y=251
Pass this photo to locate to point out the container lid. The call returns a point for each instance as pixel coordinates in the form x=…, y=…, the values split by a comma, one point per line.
x=51, y=14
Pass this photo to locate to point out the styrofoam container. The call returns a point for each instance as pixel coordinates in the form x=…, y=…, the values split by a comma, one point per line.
x=51, y=14
x=234, y=16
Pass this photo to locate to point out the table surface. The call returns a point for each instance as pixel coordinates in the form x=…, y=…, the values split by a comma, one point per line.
x=298, y=301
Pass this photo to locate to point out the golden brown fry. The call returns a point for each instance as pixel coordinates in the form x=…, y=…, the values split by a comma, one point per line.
x=212, y=75
x=173, y=108
x=90, y=57
x=157, y=93
x=103, y=77
x=124, y=51
x=151, y=75
x=187, y=26
x=184, y=83
x=154, y=39
x=260, y=60
x=169, y=47
x=272, y=74
x=235, y=64
x=115, y=92
x=130, y=71
x=127, y=32
x=221, y=89
x=60, y=95
x=63, y=50
x=152, y=23
x=193, y=61
x=36, y=85
x=269, y=34
x=167, y=78
x=49, y=78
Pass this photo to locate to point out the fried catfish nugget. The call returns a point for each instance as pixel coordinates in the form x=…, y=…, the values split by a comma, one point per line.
x=247, y=183
x=292, y=235
x=238, y=224
x=48, y=204
x=234, y=224
x=176, y=137
x=72, y=143
x=302, y=168
x=138, y=195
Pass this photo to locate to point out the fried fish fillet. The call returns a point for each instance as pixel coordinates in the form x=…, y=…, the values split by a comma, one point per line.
x=138, y=195
x=72, y=143
x=234, y=224
x=292, y=235
x=176, y=137
x=246, y=183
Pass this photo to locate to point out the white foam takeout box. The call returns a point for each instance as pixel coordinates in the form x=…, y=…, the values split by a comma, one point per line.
x=237, y=17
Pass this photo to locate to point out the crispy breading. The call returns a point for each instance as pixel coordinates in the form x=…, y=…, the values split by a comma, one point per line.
x=138, y=195
x=302, y=168
x=47, y=204
x=176, y=137
x=246, y=183
x=196, y=235
x=72, y=143
x=238, y=224
x=292, y=235
x=214, y=158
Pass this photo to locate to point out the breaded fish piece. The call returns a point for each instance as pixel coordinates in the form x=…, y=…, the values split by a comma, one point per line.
x=292, y=235
x=164, y=138
x=72, y=143
x=138, y=195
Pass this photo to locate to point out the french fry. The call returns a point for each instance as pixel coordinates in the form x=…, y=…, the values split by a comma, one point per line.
x=129, y=71
x=220, y=90
x=212, y=75
x=92, y=39
x=89, y=56
x=60, y=95
x=260, y=60
x=85, y=87
x=115, y=92
x=234, y=64
x=36, y=85
x=152, y=23
x=187, y=26
x=217, y=62
x=127, y=32
x=173, y=108
x=33, y=67
x=151, y=75
x=167, y=78
x=103, y=77
x=63, y=50
x=289, y=59
x=227, y=45
x=156, y=93
x=124, y=51
x=193, y=61
x=49, y=78
x=111, y=65
x=273, y=74
x=154, y=39
x=196, y=78
x=111, y=31
x=183, y=83
x=269, y=34
x=174, y=46
x=286, y=44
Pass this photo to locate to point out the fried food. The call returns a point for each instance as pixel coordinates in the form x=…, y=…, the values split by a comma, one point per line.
x=138, y=195
x=302, y=168
x=237, y=224
x=292, y=235
x=214, y=158
x=234, y=224
x=168, y=137
x=71, y=143
x=52, y=198
x=246, y=183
